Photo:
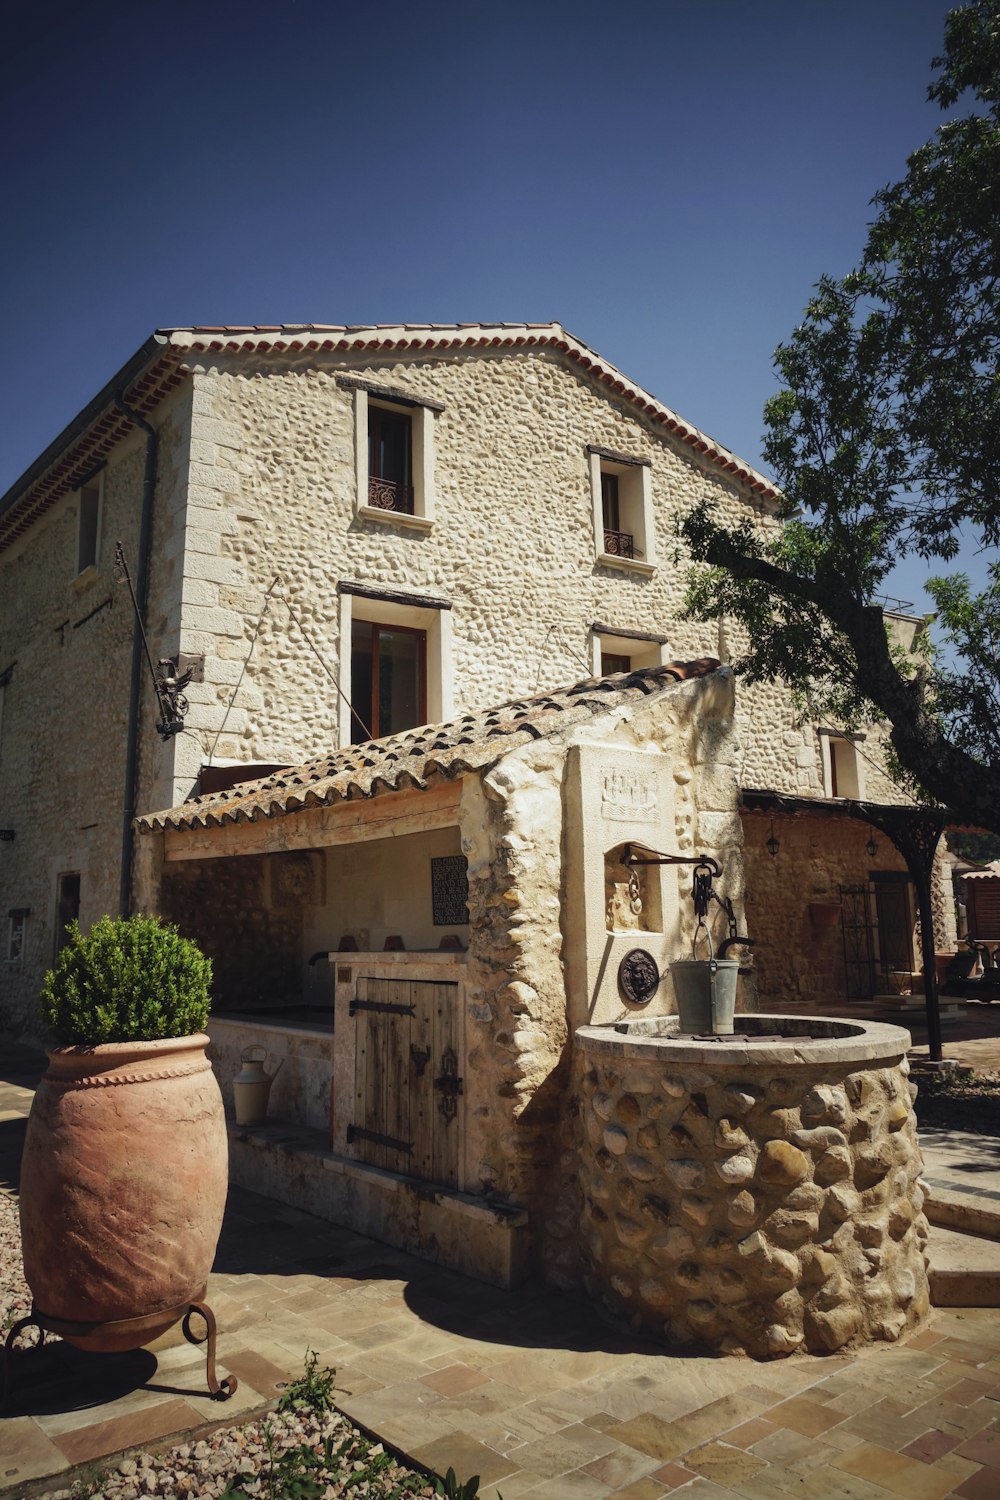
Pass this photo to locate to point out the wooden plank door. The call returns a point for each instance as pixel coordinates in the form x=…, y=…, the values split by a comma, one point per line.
x=406, y=1085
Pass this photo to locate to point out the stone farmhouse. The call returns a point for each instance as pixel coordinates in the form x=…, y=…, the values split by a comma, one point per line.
x=337, y=537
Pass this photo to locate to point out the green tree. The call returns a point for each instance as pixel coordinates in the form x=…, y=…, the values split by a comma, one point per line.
x=885, y=441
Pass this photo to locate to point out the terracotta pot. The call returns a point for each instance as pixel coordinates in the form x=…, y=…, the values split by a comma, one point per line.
x=123, y=1187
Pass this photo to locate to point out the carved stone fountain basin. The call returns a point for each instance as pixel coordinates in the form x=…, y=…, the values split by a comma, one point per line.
x=755, y=1193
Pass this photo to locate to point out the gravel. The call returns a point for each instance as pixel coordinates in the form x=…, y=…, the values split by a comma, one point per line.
x=262, y=1458
x=15, y=1299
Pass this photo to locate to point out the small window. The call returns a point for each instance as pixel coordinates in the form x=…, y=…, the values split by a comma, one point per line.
x=395, y=661
x=621, y=650
x=843, y=765
x=88, y=525
x=67, y=907
x=17, y=927
x=394, y=453
x=390, y=460
x=388, y=679
x=623, y=520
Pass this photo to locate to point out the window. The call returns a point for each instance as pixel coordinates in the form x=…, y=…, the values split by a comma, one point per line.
x=67, y=907
x=388, y=679
x=394, y=453
x=4, y=680
x=619, y=650
x=88, y=530
x=390, y=460
x=843, y=764
x=17, y=926
x=623, y=518
x=395, y=654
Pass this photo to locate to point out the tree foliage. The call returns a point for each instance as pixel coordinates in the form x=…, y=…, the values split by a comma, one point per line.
x=885, y=441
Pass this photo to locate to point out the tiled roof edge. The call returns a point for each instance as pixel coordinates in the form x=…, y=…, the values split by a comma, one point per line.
x=419, y=758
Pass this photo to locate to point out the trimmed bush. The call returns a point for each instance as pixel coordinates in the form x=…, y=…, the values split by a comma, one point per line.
x=131, y=979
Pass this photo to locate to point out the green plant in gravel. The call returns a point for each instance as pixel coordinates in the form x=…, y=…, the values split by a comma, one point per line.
x=131, y=979
x=312, y=1390
x=289, y=1474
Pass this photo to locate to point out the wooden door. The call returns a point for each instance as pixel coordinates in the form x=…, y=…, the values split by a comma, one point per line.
x=406, y=1083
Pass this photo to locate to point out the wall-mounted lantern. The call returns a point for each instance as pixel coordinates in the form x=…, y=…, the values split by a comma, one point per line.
x=772, y=846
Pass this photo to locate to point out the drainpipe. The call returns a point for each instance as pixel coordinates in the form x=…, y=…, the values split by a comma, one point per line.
x=142, y=596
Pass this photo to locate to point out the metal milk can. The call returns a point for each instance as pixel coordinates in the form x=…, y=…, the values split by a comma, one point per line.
x=252, y=1086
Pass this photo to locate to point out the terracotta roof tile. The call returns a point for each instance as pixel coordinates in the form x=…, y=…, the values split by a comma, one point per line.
x=418, y=757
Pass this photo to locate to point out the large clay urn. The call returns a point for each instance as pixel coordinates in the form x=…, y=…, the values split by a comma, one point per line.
x=123, y=1188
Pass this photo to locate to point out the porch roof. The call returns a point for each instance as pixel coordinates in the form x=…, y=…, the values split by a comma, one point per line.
x=417, y=758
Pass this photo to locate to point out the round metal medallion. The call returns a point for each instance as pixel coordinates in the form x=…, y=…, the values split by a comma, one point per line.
x=638, y=976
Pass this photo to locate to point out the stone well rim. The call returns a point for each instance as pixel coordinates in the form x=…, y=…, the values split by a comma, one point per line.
x=866, y=1042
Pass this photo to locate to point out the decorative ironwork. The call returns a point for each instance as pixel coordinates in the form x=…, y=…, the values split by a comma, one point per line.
x=419, y=1058
x=618, y=543
x=450, y=890
x=859, y=954
x=387, y=1006
x=168, y=683
x=386, y=494
x=358, y=1133
x=638, y=976
x=449, y=1085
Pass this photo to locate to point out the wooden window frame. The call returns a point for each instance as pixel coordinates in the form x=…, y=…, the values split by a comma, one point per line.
x=377, y=627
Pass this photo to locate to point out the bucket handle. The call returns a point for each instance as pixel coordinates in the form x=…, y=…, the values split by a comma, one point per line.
x=703, y=927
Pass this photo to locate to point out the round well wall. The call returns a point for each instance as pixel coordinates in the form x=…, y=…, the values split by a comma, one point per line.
x=753, y=1195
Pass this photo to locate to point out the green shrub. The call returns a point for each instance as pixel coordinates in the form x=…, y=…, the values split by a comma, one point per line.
x=131, y=979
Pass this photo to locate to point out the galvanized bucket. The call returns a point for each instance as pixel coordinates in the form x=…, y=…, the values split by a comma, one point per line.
x=706, y=994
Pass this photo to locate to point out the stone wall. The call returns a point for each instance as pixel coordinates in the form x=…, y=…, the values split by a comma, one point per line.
x=255, y=945
x=767, y=1207
x=520, y=1111
x=512, y=546
x=63, y=737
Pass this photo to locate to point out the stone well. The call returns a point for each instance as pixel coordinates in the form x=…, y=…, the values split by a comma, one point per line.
x=754, y=1193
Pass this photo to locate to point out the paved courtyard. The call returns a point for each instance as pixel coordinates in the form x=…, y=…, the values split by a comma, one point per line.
x=528, y=1389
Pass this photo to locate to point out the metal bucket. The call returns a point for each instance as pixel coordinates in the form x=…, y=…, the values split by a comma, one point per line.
x=706, y=994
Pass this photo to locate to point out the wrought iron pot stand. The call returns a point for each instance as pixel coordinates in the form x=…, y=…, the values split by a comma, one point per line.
x=220, y=1390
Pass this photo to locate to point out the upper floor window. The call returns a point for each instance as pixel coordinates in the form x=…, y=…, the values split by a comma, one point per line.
x=617, y=649
x=394, y=453
x=395, y=655
x=88, y=527
x=388, y=679
x=843, y=764
x=390, y=459
x=4, y=680
x=623, y=514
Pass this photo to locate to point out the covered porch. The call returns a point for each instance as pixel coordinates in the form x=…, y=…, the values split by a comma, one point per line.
x=413, y=928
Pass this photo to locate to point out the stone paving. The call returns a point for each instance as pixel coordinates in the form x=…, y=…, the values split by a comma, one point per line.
x=527, y=1389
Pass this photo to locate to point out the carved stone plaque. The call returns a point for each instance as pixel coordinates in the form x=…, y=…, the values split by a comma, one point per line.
x=638, y=976
x=627, y=797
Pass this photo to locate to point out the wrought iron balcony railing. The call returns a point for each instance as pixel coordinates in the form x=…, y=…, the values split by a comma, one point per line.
x=618, y=544
x=386, y=494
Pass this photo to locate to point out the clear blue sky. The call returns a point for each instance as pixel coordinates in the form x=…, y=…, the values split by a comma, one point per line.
x=665, y=177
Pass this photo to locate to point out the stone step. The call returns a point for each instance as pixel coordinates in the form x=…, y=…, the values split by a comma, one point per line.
x=964, y=1269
